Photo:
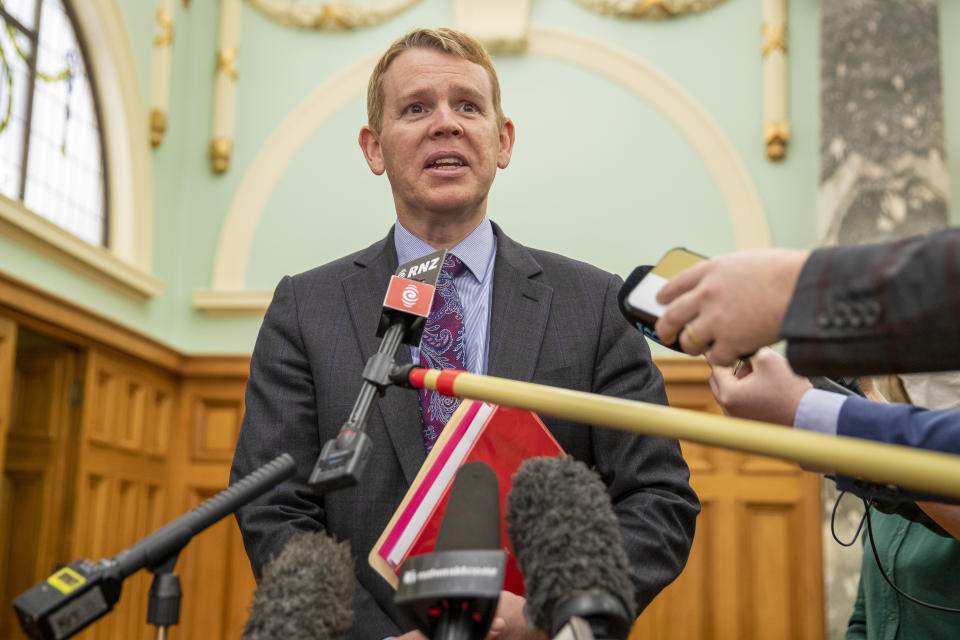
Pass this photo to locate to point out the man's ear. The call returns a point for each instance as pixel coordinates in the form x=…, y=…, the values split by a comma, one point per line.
x=370, y=145
x=507, y=136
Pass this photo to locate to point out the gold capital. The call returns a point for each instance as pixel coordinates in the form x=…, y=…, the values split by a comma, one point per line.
x=227, y=62
x=164, y=35
x=774, y=38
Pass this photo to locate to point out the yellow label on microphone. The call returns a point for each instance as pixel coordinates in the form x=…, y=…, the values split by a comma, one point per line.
x=66, y=580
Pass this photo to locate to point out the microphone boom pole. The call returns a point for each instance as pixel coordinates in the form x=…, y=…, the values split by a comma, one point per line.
x=918, y=469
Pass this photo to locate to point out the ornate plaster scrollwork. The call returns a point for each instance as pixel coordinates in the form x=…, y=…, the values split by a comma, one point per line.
x=330, y=16
x=501, y=25
x=652, y=9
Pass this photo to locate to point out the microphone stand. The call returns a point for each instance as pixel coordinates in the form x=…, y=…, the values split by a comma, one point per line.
x=403, y=319
x=163, y=604
x=342, y=458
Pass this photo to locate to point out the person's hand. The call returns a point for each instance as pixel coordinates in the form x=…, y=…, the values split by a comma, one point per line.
x=412, y=635
x=510, y=613
x=730, y=305
x=765, y=388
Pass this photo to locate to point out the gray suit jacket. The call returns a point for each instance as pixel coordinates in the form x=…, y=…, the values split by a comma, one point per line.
x=553, y=321
x=882, y=308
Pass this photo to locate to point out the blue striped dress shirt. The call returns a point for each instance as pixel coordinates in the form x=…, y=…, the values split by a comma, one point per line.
x=474, y=286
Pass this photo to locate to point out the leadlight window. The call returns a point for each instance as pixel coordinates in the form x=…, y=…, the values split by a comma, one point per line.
x=51, y=152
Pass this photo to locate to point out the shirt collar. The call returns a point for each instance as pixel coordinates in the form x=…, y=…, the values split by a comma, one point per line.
x=476, y=251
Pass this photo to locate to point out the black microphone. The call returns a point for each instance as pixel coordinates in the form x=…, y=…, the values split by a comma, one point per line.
x=406, y=307
x=452, y=593
x=84, y=591
x=568, y=546
x=305, y=593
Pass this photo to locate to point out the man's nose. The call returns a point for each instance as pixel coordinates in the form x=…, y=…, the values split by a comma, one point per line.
x=446, y=123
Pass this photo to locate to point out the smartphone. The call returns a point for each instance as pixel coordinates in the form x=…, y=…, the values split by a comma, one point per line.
x=641, y=302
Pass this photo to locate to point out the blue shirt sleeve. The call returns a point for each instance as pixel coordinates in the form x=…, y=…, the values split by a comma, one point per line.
x=819, y=411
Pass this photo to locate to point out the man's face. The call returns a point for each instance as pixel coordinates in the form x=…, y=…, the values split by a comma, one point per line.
x=439, y=141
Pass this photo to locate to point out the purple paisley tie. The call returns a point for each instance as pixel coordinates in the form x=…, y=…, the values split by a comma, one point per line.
x=441, y=348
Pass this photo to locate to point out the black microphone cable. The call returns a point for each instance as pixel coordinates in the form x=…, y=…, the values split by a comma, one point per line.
x=901, y=593
x=876, y=554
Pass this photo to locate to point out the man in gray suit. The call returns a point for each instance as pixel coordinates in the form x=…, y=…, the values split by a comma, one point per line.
x=436, y=129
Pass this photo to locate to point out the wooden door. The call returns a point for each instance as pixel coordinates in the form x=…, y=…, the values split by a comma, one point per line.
x=755, y=569
x=38, y=491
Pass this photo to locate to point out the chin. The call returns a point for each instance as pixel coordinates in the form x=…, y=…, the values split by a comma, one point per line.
x=451, y=203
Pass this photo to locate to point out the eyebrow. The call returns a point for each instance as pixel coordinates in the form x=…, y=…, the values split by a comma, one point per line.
x=460, y=89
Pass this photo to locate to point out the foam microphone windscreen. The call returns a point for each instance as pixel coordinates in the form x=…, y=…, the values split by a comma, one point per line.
x=472, y=517
x=305, y=592
x=566, y=539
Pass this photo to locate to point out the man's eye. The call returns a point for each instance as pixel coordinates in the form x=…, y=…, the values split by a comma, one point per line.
x=470, y=107
x=415, y=108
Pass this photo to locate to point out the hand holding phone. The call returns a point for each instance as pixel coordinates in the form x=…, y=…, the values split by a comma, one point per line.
x=640, y=303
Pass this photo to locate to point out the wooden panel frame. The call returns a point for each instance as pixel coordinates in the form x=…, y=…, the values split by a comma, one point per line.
x=8, y=350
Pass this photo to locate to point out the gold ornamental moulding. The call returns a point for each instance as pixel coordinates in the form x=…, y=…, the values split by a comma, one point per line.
x=227, y=62
x=330, y=16
x=647, y=9
x=164, y=37
x=776, y=135
x=774, y=38
x=220, y=149
x=158, y=125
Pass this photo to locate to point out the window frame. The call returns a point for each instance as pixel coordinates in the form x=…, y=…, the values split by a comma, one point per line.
x=126, y=261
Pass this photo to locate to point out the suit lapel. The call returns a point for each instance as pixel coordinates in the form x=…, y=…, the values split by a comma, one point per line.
x=364, y=290
x=518, y=317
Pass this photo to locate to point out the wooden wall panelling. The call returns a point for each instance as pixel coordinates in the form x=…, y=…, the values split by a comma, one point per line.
x=755, y=566
x=123, y=472
x=37, y=494
x=64, y=320
x=217, y=581
x=8, y=339
x=8, y=349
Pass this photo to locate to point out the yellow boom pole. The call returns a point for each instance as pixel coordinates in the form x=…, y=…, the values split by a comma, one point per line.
x=918, y=469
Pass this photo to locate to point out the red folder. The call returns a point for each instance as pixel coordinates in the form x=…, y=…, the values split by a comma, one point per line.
x=499, y=436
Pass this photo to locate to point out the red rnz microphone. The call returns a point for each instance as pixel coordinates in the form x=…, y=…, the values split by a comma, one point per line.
x=410, y=295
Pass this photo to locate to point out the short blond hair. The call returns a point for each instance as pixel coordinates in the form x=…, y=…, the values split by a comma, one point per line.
x=450, y=41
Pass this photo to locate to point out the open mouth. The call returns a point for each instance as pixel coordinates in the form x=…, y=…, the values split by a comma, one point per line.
x=446, y=162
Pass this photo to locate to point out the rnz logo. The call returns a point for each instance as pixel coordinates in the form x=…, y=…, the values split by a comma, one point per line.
x=410, y=296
